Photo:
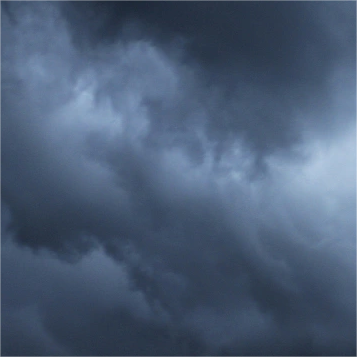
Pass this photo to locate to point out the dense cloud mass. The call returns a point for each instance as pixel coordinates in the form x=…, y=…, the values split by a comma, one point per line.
x=178, y=178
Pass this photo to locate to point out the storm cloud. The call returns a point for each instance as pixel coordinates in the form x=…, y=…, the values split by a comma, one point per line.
x=178, y=178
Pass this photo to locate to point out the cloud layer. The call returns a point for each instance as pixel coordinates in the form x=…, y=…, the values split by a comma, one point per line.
x=178, y=178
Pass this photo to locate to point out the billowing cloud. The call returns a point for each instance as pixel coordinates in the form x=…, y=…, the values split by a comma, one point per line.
x=178, y=179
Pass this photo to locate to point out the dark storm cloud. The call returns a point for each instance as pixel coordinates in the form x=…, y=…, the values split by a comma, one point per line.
x=270, y=35
x=112, y=118
x=270, y=60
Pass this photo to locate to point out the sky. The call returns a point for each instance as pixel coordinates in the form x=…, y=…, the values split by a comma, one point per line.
x=178, y=178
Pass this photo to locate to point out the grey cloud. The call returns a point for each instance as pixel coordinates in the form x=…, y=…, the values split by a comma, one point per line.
x=129, y=173
x=272, y=35
x=84, y=309
x=277, y=72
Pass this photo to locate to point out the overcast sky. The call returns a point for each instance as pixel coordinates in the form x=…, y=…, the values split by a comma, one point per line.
x=178, y=178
